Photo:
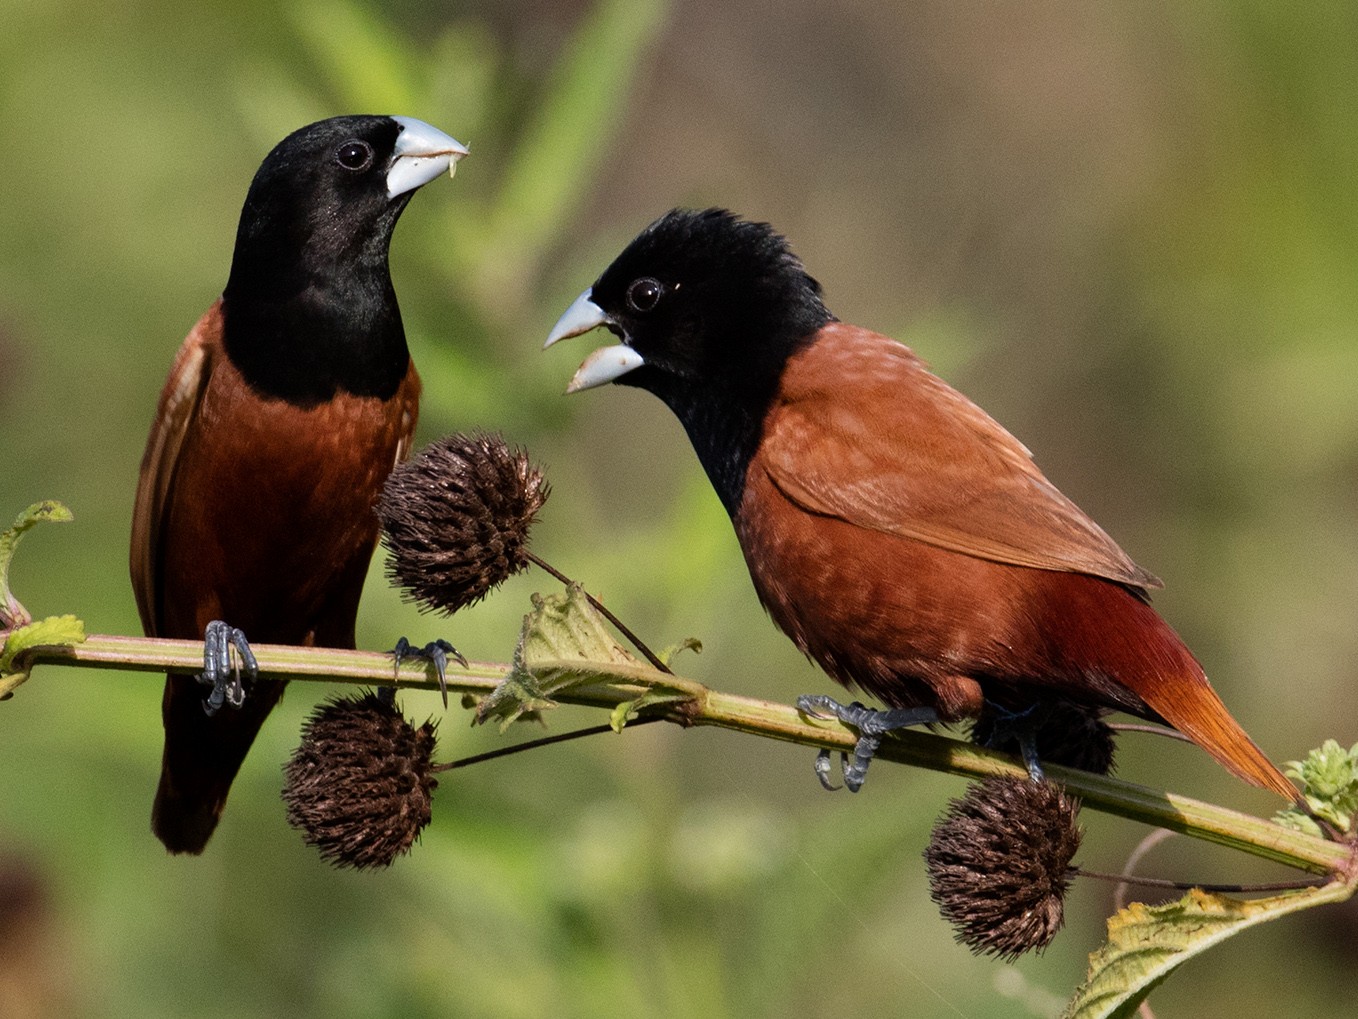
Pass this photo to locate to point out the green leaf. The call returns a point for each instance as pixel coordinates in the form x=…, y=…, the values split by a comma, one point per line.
x=563, y=642
x=54, y=630
x=565, y=627
x=627, y=710
x=1147, y=943
x=687, y=644
x=13, y=614
x=1329, y=781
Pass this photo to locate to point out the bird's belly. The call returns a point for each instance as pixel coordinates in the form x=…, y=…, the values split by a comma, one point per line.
x=273, y=516
x=913, y=624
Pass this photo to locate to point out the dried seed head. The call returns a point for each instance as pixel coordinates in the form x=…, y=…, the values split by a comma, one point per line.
x=359, y=785
x=1067, y=733
x=456, y=519
x=999, y=863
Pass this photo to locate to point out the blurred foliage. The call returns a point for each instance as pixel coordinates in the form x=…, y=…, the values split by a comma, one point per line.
x=1128, y=231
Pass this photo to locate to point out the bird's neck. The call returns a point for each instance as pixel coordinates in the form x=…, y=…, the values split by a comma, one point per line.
x=724, y=409
x=304, y=338
x=725, y=429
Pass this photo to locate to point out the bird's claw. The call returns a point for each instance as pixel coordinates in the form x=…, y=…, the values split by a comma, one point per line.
x=872, y=726
x=823, y=768
x=436, y=651
x=1028, y=747
x=817, y=705
x=1021, y=727
x=219, y=671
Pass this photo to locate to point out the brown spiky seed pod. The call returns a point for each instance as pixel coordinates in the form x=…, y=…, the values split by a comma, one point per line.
x=999, y=864
x=456, y=518
x=360, y=783
x=1067, y=733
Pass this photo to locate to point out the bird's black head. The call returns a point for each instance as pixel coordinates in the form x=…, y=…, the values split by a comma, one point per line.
x=309, y=305
x=709, y=308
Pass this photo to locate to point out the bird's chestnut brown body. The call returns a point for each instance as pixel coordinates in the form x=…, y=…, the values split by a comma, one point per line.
x=259, y=511
x=270, y=509
x=854, y=548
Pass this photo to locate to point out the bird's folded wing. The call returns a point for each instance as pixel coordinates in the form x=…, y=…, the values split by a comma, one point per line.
x=864, y=432
x=179, y=402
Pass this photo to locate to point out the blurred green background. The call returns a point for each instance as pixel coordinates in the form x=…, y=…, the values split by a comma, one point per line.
x=1128, y=231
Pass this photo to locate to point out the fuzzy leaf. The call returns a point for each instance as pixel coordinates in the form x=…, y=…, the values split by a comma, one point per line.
x=54, y=630
x=563, y=643
x=687, y=644
x=1329, y=781
x=12, y=614
x=1147, y=943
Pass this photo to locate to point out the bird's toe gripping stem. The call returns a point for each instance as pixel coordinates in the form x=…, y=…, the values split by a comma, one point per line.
x=872, y=726
x=219, y=671
x=436, y=651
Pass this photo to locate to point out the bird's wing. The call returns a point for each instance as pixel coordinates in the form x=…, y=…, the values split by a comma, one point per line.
x=864, y=432
x=179, y=402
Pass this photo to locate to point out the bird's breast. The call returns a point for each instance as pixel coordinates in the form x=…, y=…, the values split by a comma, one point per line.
x=872, y=609
x=272, y=504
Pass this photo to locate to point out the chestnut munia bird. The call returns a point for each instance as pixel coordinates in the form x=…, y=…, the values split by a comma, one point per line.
x=904, y=540
x=287, y=406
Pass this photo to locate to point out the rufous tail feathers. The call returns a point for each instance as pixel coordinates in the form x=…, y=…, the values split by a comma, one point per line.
x=1193, y=707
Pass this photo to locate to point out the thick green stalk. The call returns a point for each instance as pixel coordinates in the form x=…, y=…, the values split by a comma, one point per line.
x=618, y=684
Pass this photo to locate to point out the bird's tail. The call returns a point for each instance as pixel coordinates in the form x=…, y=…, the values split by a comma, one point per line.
x=202, y=755
x=1189, y=703
x=1141, y=654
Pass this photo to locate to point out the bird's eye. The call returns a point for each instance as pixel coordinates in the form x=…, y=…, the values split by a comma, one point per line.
x=644, y=294
x=354, y=155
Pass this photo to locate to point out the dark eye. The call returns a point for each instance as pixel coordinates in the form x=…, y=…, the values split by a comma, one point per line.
x=644, y=294
x=354, y=155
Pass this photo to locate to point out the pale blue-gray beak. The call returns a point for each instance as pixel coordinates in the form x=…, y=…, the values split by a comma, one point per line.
x=422, y=153
x=606, y=363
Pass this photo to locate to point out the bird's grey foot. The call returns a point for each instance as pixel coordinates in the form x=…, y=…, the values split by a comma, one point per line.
x=872, y=726
x=436, y=651
x=1020, y=727
x=219, y=671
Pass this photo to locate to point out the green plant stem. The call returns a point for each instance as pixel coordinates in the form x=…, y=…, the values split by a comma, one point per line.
x=620, y=684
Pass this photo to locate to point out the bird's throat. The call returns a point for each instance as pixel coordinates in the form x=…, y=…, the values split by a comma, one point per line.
x=725, y=433
x=308, y=346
